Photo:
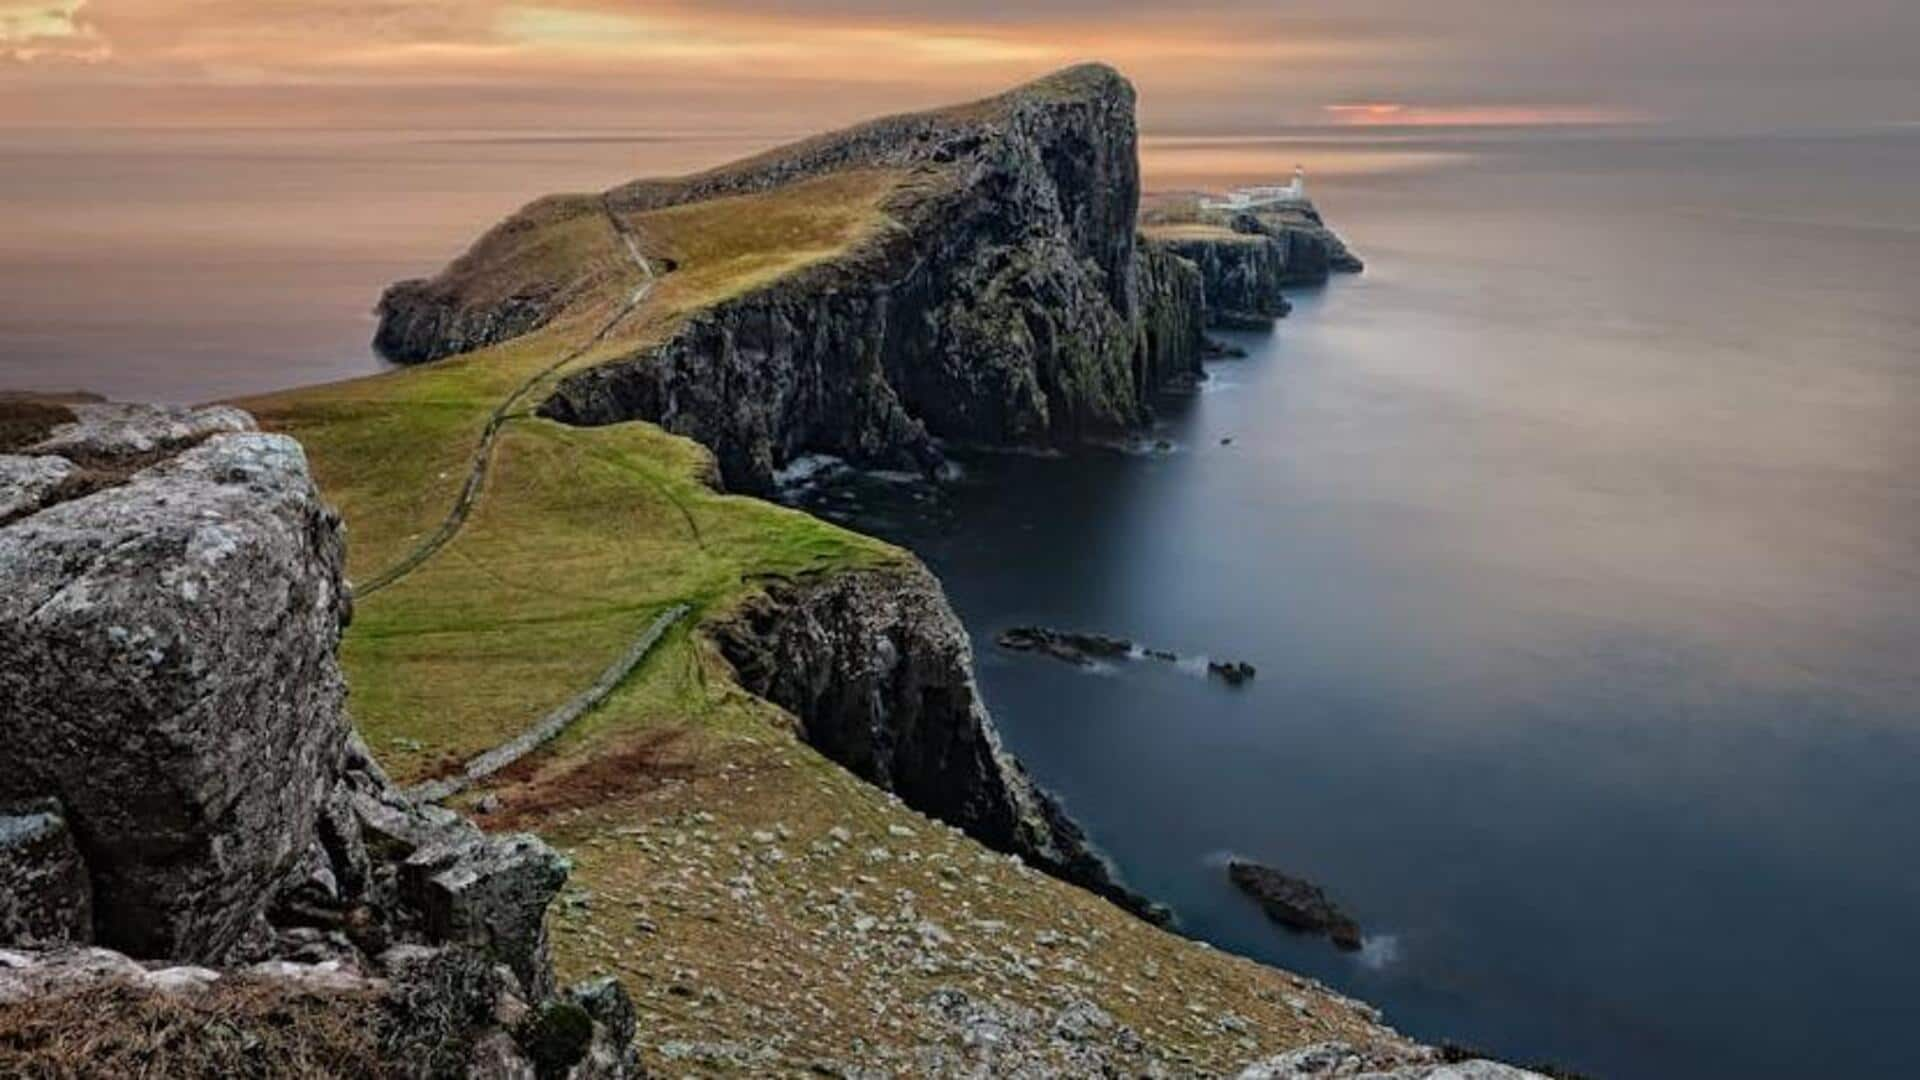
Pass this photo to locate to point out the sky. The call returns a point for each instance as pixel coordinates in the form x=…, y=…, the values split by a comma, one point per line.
x=1203, y=66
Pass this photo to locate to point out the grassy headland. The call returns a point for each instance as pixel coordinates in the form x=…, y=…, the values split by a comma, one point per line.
x=768, y=911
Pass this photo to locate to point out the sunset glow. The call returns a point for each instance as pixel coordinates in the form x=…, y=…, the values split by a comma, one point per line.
x=1215, y=65
x=1395, y=114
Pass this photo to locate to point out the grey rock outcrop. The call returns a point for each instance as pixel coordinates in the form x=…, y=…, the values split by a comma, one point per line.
x=118, y=431
x=177, y=754
x=30, y=484
x=1339, y=1061
x=879, y=673
x=45, y=898
x=169, y=671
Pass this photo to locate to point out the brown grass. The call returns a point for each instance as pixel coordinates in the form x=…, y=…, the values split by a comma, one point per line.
x=24, y=422
x=237, y=1027
x=618, y=771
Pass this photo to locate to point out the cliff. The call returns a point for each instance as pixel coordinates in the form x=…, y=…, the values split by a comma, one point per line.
x=1246, y=260
x=880, y=674
x=793, y=820
x=1004, y=304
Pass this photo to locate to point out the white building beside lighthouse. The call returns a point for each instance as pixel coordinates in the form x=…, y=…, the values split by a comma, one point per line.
x=1258, y=198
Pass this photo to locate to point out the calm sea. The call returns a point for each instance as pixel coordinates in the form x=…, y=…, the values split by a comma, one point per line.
x=1577, y=545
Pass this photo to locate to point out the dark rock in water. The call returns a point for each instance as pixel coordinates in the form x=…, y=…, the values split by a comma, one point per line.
x=1065, y=645
x=1295, y=904
x=879, y=673
x=1220, y=350
x=1234, y=672
x=45, y=897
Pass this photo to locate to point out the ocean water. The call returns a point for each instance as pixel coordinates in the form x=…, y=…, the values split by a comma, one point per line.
x=1577, y=544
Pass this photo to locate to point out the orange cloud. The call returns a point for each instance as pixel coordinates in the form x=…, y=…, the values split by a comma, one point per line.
x=1396, y=114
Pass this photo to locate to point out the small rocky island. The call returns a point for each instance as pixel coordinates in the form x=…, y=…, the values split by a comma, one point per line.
x=786, y=838
x=1298, y=905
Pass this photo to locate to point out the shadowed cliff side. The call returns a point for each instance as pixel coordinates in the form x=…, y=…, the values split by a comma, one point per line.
x=1006, y=304
x=880, y=673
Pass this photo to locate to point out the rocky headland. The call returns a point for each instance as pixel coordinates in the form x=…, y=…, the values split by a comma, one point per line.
x=788, y=834
x=1247, y=258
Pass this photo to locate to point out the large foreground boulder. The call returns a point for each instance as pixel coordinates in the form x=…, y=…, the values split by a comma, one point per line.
x=179, y=781
x=167, y=662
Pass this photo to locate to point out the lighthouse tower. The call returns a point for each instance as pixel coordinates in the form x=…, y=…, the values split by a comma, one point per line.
x=1298, y=191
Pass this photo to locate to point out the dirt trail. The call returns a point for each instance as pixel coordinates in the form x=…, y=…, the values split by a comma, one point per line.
x=463, y=504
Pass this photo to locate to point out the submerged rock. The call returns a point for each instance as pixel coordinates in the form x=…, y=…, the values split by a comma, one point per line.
x=1295, y=904
x=1234, y=672
x=1074, y=648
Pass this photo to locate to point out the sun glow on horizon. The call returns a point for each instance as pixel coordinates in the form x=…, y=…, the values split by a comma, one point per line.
x=1400, y=114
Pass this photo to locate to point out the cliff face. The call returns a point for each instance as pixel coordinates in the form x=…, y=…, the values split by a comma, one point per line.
x=880, y=674
x=1173, y=317
x=1242, y=275
x=1246, y=260
x=1007, y=307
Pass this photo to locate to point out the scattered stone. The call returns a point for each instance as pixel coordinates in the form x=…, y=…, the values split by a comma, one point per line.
x=1340, y=1061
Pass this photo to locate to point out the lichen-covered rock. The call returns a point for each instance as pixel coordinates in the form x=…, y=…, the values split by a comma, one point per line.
x=879, y=673
x=1339, y=1061
x=490, y=892
x=29, y=484
x=168, y=641
x=45, y=898
x=167, y=657
x=108, y=431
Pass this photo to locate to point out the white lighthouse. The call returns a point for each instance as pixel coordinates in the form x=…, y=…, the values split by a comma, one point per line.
x=1260, y=198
